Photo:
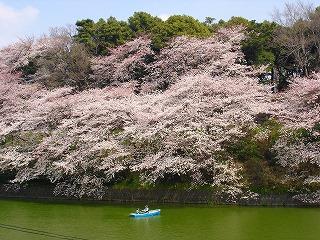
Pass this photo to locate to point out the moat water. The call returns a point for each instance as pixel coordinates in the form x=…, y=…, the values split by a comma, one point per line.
x=26, y=220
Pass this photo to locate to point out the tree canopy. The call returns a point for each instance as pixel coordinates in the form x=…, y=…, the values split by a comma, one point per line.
x=142, y=22
x=101, y=35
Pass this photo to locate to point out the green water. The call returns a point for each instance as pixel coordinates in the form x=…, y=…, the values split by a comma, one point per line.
x=21, y=220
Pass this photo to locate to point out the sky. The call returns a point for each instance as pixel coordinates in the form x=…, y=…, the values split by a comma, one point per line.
x=20, y=18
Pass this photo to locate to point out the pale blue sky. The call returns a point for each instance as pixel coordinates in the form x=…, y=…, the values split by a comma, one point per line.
x=32, y=17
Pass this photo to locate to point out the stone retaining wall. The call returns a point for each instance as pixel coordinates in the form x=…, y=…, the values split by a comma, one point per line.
x=149, y=196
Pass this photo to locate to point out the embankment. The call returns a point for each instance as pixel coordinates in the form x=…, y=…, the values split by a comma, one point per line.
x=152, y=196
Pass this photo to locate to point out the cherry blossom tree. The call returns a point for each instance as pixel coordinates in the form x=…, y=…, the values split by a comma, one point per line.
x=84, y=142
x=301, y=102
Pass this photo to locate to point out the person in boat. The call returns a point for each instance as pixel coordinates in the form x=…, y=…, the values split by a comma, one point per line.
x=146, y=209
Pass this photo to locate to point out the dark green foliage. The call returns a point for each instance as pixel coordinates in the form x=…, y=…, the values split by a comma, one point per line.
x=113, y=32
x=73, y=146
x=262, y=118
x=260, y=176
x=278, y=47
x=7, y=176
x=128, y=180
x=29, y=69
x=86, y=33
x=260, y=169
x=161, y=36
x=100, y=36
x=182, y=25
x=301, y=133
x=116, y=131
x=178, y=25
x=23, y=141
x=142, y=22
x=316, y=127
x=258, y=47
x=250, y=147
x=306, y=135
x=236, y=21
x=306, y=168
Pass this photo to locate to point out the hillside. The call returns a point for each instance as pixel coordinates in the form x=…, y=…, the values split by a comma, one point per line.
x=192, y=115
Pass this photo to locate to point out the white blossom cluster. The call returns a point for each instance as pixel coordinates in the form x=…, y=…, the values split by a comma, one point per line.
x=21, y=53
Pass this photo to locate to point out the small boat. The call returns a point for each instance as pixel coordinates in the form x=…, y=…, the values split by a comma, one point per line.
x=150, y=213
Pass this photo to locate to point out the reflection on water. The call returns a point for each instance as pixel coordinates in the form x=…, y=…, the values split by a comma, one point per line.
x=40, y=220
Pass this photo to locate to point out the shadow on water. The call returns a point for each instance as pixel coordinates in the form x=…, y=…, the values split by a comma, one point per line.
x=39, y=232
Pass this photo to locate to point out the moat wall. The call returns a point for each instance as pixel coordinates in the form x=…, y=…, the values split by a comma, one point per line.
x=150, y=196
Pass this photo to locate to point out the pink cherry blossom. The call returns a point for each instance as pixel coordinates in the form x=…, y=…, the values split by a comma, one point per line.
x=84, y=141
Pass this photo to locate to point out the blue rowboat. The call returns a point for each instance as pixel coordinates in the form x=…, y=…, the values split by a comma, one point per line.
x=151, y=213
